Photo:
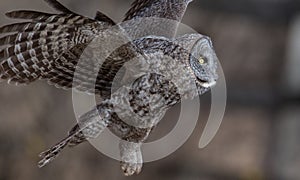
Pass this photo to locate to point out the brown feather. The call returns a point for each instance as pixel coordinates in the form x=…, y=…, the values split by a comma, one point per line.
x=58, y=6
x=136, y=6
x=26, y=14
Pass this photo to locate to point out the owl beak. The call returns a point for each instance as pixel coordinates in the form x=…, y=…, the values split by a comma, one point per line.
x=208, y=84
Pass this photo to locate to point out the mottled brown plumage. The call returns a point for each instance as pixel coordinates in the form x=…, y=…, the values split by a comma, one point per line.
x=169, y=9
x=133, y=115
x=154, y=17
x=49, y=47
x=64, y=50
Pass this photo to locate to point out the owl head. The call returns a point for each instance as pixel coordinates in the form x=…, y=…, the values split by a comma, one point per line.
x=202, y=60
x=187, y=61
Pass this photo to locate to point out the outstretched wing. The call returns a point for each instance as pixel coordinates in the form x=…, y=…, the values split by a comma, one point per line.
x=48, y=46
x=168, y=13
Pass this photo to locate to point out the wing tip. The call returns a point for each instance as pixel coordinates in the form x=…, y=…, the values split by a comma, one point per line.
x=10, y=14
x=58, y=6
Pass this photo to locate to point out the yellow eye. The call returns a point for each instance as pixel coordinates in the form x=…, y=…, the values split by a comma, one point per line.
x=201, y=60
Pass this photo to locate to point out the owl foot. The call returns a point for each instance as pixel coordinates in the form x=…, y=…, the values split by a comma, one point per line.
x=130, y=169
x=131, y=158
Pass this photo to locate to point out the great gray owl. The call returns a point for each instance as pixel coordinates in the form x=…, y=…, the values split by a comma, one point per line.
x=49, y=47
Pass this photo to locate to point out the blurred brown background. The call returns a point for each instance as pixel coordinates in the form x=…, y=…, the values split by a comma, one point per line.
x=258, y=44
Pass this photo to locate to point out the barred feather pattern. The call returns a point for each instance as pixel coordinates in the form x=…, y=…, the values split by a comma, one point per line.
x=92, y=124
x=154, y=17
x=170, y=9
x=48, y=47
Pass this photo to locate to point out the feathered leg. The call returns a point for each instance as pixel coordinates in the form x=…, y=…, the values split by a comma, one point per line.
x=131, y=157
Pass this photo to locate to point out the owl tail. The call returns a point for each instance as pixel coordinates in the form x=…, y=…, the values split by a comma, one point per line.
x=74, y=138
x=93, y=123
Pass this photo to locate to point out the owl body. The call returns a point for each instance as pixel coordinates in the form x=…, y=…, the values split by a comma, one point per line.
x=137, y=67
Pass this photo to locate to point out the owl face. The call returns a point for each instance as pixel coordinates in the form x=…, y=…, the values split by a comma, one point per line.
x=203, y=62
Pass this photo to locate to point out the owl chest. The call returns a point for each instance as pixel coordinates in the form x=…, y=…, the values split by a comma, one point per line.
x=152, y=92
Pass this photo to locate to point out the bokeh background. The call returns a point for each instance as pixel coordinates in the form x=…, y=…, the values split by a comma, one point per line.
x=258, y=44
